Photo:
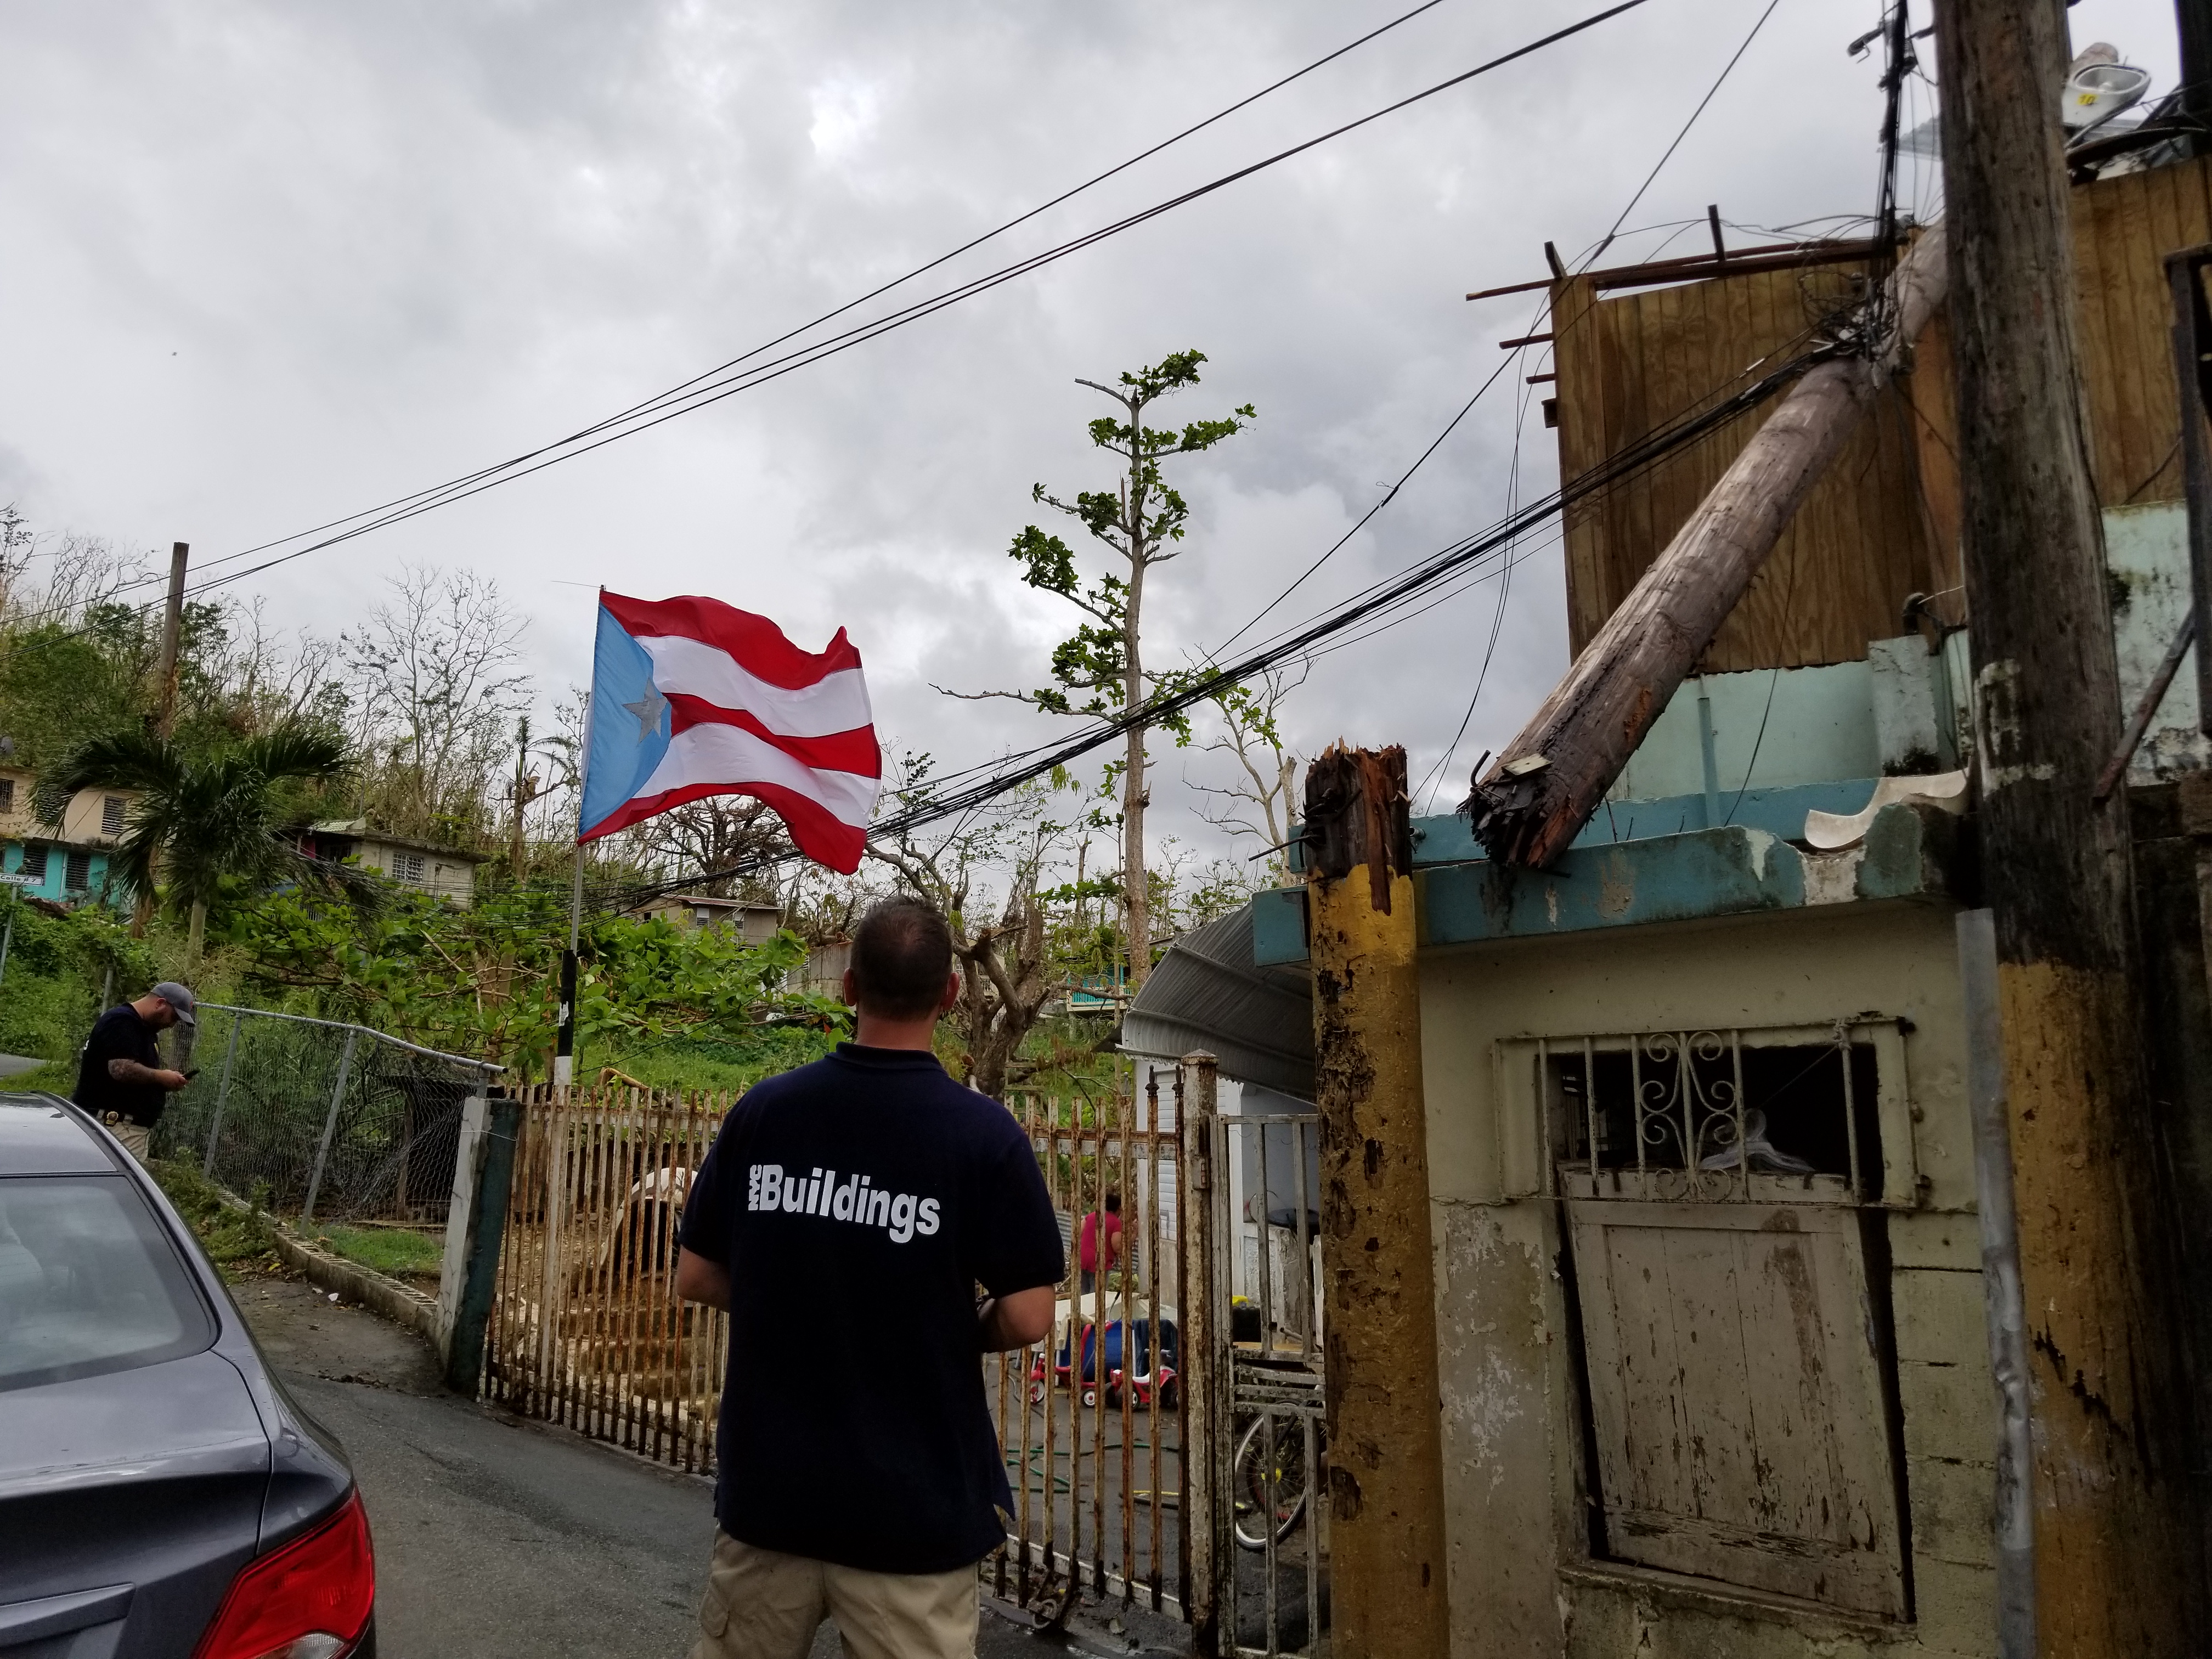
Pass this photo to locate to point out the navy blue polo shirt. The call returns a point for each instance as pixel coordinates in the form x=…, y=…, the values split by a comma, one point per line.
x=858, y=1202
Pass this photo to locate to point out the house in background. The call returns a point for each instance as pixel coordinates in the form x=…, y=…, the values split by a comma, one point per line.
x=445, y=872
x=753, y=922
x=70, y=860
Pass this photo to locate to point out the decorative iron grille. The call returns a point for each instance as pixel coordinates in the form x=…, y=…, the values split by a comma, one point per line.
x=1717, y=1114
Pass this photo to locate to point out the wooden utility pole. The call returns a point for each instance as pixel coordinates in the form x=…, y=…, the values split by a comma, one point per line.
x=165, y=719
x=172, y=628
x=2118, y=1566
x=2194, y=18
x=1386, y=1456
x=1550, y=779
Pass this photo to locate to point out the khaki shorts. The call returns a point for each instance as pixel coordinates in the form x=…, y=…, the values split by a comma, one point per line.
x=761, y=1605
x=133, y=1136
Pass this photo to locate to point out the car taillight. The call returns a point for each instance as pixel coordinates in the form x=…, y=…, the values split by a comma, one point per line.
x=310, y=1600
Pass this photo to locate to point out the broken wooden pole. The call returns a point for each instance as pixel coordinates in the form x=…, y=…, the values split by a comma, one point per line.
x=2118, y=1529
x=1385, y=1467
x=1549, y=779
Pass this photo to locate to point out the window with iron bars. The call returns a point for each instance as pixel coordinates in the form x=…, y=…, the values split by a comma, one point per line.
x=76, y=872
x=7, y=794
x=34, y=861
x=407, y=867
x=1795, y=1113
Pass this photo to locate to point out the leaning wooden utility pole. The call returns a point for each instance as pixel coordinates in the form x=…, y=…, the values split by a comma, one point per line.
x=1549, y=779
x=2117, y=1564
x=1386, y=1456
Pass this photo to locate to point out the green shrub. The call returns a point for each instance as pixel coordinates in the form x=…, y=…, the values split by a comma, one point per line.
x=236, y=1240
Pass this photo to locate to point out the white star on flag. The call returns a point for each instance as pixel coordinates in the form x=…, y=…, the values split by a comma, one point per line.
x=747, y=712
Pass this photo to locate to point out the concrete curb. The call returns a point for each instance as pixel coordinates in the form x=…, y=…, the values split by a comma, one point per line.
x=401, y=1303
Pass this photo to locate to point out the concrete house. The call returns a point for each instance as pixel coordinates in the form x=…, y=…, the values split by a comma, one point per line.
x=1715, y=1370
x=445, y=872
x=69, y=860
x=754, y=923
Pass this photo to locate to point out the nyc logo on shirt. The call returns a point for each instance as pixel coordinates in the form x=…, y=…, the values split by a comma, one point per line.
x=901, y=1215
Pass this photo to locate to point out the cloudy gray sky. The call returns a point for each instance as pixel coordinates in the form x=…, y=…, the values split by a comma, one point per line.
x=267, y=265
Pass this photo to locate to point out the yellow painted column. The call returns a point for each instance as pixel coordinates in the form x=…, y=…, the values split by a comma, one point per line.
x=1385, y=1459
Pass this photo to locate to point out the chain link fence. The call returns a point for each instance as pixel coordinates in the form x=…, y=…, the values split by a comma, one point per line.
x=318, y=1119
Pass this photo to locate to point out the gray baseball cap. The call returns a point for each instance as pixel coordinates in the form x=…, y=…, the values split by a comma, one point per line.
x=178, y=997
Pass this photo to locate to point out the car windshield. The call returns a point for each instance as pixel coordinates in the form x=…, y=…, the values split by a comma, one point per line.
x=89, y=1282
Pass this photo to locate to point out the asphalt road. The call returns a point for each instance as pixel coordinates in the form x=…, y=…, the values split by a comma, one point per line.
x=503, y=1539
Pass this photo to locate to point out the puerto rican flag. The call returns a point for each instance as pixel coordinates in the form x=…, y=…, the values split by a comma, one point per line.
x=692, y=697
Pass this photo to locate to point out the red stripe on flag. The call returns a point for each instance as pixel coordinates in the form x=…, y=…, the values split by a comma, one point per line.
x=757, y=644
x=855, y=752
x=814, y=831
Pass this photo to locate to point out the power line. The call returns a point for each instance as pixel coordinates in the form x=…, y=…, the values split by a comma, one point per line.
x=875, y=293
x=1632, y=459
x=706, y=390
x=1711, y=92
x=1589, y=257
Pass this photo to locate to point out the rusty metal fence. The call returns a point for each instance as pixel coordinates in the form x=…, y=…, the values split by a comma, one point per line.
x=585, y=1329
x=1091, y=1420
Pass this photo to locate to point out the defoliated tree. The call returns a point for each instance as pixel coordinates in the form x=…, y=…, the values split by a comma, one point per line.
x=1100, y=667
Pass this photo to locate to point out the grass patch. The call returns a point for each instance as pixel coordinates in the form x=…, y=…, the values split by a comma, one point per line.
x=392, y=1250
x=239, y=1242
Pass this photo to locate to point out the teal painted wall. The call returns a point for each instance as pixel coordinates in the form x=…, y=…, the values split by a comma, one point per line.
x=11, y=860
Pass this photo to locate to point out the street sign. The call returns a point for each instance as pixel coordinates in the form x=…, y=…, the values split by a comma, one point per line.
x=18, y=879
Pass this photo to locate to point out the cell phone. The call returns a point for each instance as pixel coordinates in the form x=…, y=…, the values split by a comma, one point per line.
x=190, y=1075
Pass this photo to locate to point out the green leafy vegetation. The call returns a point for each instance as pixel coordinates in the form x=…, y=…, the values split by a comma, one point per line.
x=239, y=1242
x=484, y=982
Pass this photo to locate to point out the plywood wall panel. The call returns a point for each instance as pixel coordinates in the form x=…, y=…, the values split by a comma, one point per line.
x=1884, y=522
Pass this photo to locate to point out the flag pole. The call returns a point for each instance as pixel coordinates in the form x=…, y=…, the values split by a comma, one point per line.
x=564, y=1040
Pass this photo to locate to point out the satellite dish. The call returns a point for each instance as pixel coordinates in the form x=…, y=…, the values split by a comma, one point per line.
x=2095, y=92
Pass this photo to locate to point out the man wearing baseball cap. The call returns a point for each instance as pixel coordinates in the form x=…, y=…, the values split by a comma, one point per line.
x=120, y=1078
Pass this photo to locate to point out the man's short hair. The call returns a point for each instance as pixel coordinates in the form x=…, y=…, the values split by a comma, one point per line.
x=902, y=957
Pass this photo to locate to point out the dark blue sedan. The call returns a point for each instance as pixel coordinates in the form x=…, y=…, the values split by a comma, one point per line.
x=160, y=1494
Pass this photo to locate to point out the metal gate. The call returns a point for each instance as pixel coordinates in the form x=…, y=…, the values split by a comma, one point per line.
x=1091, y=1420
x=1270, y=1465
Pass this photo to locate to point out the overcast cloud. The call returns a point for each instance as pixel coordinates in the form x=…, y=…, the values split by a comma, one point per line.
x=270, y=263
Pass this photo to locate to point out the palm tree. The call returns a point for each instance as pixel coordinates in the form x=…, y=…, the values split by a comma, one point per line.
x=207, y=820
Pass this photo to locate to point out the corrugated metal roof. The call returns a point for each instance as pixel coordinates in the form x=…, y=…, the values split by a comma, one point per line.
x=1207, y=993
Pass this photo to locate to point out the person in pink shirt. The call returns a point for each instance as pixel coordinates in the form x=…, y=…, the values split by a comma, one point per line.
x=1087, y=1247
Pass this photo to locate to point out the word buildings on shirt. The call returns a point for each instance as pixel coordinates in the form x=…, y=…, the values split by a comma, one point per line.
x=768, y=1187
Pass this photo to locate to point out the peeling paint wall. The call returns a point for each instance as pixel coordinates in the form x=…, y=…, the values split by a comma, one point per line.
x=1522, y=1583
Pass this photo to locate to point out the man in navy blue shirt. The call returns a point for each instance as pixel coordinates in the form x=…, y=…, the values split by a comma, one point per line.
x=844, y=1218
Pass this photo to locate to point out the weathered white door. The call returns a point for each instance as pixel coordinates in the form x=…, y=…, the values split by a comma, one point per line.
x=1742, y=1429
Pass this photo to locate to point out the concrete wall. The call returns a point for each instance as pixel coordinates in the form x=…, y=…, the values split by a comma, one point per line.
x=445, y=875
x=1521, y=1581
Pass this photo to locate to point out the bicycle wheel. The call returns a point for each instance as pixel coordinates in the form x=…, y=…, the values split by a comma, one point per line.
x=1270, y=1482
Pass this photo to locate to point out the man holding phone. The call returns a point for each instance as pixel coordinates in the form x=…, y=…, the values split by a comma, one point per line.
x=120, y=1078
